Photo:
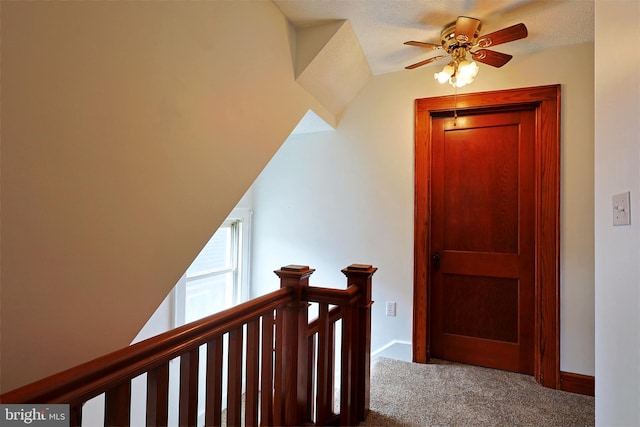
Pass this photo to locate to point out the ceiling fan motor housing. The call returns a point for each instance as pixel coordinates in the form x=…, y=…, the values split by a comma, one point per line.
x=452, y=39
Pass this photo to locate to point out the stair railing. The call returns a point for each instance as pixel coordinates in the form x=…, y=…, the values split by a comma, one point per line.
x=280, y=368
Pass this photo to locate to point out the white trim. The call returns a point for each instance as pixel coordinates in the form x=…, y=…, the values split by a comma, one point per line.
x=375, y=354
x=179, y=293
x=245, y=216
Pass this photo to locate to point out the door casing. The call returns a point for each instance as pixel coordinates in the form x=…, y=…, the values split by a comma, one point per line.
x=546, y=102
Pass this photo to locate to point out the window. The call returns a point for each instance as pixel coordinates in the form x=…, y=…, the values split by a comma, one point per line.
x=218, y=277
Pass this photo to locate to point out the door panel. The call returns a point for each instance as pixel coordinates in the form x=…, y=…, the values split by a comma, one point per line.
x=482, y=228
x=480, y=307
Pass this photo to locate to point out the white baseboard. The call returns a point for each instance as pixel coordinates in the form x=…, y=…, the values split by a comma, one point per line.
x=396, y=349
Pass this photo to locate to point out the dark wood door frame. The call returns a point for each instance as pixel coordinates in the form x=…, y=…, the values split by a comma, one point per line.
x=546, y=102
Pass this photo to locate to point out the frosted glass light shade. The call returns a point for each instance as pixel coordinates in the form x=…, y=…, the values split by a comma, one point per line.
x=458, y=73
x=446, y=73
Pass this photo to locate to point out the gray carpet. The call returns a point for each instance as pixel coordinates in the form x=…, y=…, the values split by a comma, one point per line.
x=448, y=394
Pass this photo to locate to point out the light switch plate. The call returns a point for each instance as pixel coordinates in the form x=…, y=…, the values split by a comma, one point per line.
x=621, y=208
x=391, y=308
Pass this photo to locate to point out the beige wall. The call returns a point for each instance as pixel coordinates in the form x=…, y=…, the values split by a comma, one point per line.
x=334, y=198
x=115, y=141
x=129, y=130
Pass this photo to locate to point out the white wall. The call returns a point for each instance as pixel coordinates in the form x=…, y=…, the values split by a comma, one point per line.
x=346, y=196
x=129, y=131
x=165, y=316
x=617, y=169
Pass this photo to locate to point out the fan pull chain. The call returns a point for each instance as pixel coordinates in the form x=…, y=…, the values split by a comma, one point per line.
x=455, y=105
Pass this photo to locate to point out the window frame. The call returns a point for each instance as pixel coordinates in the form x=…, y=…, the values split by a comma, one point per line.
x=242, y=254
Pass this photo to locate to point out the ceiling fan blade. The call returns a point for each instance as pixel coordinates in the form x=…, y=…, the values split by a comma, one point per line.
x=423, y=44
x=490, y=57
x=425, y=62
x=509, y=34
x=466, y=29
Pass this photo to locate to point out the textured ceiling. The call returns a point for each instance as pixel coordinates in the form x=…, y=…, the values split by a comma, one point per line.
x=382, y=26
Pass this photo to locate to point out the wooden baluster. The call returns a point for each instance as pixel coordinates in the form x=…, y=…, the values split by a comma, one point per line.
x=279, y=367
x=213, y=409
x=311, y=375
x=323, y=397
x=158, y=395
x=360, y=275
x=234, y=382
x=266, y=380
x=347, y=367
x=296, y=332
x=117, y=408
x=331, y=369
x=188, y=404
x=253, y=366
x=75, y=416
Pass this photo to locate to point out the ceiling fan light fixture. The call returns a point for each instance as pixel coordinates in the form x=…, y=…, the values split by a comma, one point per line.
x=446, y=73
x=461, y=38
x=467, y=70
x=459, y=72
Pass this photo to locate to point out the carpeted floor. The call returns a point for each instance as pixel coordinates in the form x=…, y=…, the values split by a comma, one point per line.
x=447, y=394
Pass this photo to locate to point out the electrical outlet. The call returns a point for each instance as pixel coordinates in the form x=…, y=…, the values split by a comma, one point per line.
x=621, y=206
x=391, y=308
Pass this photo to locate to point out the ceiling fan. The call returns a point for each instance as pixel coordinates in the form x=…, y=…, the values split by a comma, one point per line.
x=462, y=37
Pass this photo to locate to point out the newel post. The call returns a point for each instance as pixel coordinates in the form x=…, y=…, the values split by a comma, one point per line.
x=293, y=337
x=360, y=275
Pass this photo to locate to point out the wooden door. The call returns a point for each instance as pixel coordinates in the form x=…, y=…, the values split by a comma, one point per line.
x=482, y=239
x=544, y=102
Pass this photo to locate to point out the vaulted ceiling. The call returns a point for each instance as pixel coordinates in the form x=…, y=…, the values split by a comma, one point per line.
x=382, y=26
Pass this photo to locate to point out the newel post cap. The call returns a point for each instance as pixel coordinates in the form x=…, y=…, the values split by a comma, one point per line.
x=294, y=276
x=359, y=270
x=360, y=275
x=293, y=271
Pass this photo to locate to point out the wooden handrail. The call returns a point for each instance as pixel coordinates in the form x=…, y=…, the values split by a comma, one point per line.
x=90, y=379
x=270, y=347
x=330, y=295
x=334, y=314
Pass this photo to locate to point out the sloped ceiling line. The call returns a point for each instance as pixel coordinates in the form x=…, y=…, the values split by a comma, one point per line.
x=330, y=64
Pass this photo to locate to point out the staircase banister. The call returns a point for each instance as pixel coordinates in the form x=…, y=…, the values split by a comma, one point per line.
x=288, y=355
x=335, y=314
x=330, y=295
x=92, y=378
